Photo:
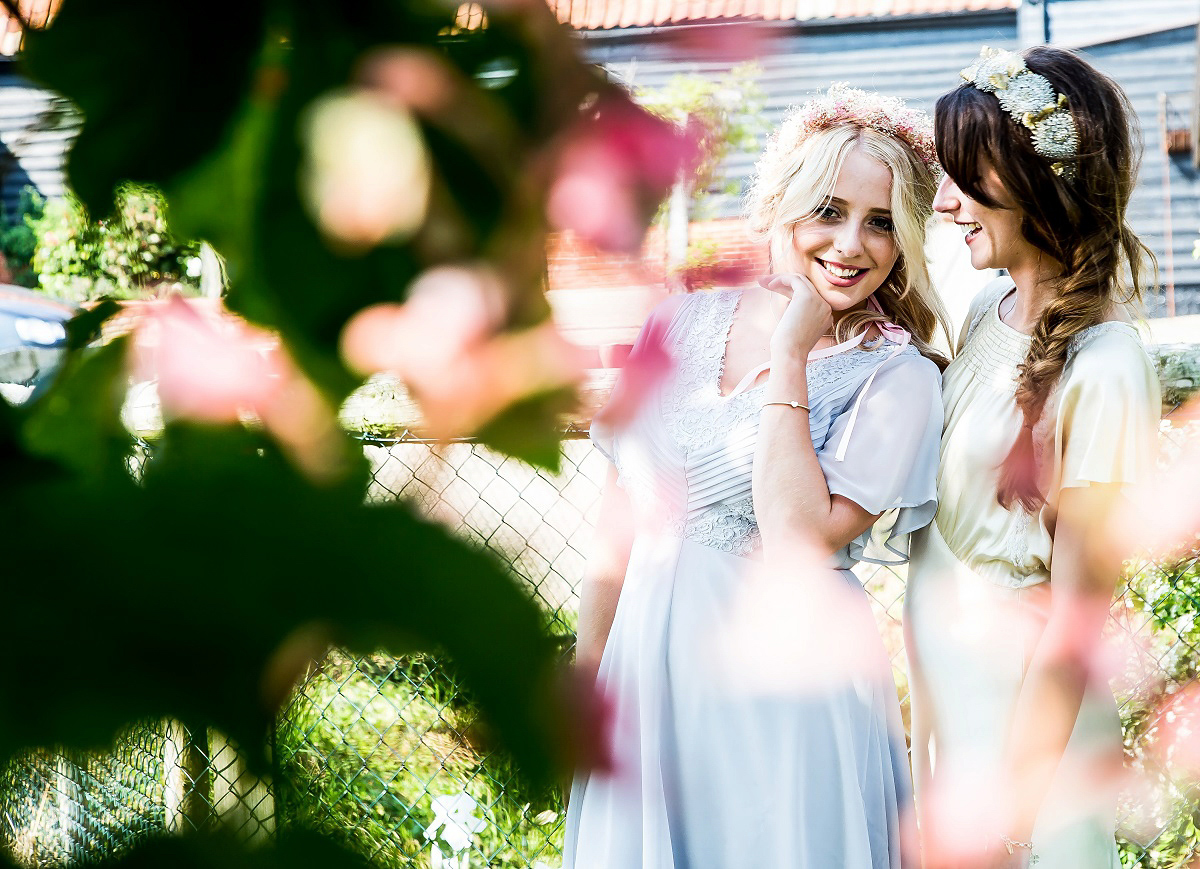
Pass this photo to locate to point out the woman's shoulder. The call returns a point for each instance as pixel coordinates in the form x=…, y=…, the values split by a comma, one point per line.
x=1110, y=355
x=1107, y=347
x=912, y=367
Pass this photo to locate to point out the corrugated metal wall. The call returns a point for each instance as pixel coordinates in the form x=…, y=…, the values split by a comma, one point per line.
x=919, y=60
x=1090, y=21
x=35, y=130
x=1150, y=48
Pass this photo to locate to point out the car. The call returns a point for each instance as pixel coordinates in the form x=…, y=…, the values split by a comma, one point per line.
x=33, y=341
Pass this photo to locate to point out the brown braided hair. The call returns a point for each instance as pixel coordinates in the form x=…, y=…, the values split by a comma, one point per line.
x=1080, y=223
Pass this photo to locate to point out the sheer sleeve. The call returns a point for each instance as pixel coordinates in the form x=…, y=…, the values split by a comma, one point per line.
x=891, y=461
x=1108, y=410
x=655, y=335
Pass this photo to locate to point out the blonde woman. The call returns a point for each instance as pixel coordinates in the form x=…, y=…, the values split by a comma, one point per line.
x=798, y=414
x=1051, y=408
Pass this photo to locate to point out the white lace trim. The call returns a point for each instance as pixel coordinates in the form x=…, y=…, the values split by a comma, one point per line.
x=1089, y=334
x=729, y=527
x=1016, y=545
x=694, y=411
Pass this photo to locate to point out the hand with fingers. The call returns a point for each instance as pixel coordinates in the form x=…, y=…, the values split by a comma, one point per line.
x=807, y=319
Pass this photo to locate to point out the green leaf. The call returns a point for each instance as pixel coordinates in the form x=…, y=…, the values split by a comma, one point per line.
x=77, y=423
x=157, y=98
x=292, y=850
x=531, y=429
x=176, y=598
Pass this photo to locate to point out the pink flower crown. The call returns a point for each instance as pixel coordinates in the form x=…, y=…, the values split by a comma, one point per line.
x=840, y=105
x=843, y=104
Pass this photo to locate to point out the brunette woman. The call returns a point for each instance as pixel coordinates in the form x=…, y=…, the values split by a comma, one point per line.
x=1051, y=408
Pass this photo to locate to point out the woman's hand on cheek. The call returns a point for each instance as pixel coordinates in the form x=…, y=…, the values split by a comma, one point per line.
x=808, y=316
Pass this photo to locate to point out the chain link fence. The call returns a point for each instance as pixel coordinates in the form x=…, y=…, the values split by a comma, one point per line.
x=382, y=753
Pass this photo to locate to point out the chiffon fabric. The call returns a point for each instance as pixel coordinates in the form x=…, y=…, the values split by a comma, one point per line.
x=978, y=587
x=727, y=754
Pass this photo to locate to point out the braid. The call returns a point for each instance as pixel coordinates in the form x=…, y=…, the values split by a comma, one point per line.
x=1084, y=297
x=1073, y=310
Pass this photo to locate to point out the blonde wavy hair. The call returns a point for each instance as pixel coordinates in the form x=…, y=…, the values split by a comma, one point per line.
x=794, y=179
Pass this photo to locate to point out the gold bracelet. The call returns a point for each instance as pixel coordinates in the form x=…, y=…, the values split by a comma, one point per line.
x=1010, y=844
x=794, y=404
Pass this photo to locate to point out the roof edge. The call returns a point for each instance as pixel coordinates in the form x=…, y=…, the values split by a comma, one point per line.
x=829, y=24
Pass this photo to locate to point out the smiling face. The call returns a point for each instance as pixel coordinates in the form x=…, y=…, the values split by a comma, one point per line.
x=848, y=246
x=992, y=233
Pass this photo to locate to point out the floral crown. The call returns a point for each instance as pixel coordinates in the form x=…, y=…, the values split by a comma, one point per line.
x=1032, y=102
x=841, y=104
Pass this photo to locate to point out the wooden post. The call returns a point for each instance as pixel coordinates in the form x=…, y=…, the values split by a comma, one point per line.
x=185, y=781
x=1168, y=239
x=1196, y=104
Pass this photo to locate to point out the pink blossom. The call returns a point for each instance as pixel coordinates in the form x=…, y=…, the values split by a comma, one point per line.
x=1178, y=746
x=646, y=366
x=215, y=368
x=445, y=343
x=1161, y=515
x=615, y=167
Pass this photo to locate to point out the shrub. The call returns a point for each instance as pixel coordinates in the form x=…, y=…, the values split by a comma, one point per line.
x=129, y=255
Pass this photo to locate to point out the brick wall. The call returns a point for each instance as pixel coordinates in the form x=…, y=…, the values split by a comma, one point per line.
x=575, y=265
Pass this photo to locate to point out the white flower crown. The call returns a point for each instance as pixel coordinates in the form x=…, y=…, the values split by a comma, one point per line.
x=1032, y=102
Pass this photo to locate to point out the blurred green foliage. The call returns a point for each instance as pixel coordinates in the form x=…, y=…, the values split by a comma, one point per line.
x=18, y=238
x=1163, y=601
x=726, y=112
x=131, y=254
x=202, y=591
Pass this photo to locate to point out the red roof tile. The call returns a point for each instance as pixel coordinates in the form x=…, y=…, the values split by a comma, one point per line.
x=607, y=14
x=35, y=13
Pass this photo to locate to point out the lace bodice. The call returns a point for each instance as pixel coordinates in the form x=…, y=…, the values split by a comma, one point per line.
x=687, y=461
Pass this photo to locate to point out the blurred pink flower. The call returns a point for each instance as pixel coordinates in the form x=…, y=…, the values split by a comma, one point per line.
x=1161, y=515
x=702, y=275
x=210, y=367
x=642, y=370
x=730, y=42
x=1178, y=746
x=616, y=166
x=366, y=175
x=213, y=367
x=415, y=78
x=796, y=627
x=445, y=344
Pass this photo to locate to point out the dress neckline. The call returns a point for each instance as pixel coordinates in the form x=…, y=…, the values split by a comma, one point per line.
x=1027, y=338
x=743, y=385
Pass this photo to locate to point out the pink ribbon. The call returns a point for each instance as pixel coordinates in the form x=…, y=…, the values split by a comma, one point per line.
x=898, y=336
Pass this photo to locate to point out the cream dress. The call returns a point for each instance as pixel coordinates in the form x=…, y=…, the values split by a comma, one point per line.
x=979, y=580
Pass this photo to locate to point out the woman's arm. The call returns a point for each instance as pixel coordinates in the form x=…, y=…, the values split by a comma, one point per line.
x=1083, y=579
x=603, y=576
x=791, y=496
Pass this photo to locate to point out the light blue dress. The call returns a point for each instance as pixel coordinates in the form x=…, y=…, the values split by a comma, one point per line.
x=754, y=727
